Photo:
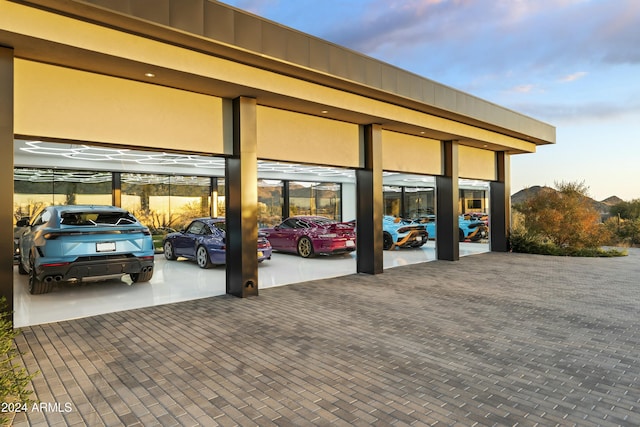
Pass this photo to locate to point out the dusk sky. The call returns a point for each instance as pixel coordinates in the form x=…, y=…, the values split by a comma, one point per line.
x=574, y=64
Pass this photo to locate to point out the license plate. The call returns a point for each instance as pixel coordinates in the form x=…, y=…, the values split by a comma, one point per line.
x=260, y=254
x=106, y=247
x=350, y=243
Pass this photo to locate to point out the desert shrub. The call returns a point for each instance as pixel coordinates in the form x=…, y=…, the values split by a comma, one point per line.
x=626, y=210
x=625, y=232
x=530, y=244
x=560, y=222
x=14, y=378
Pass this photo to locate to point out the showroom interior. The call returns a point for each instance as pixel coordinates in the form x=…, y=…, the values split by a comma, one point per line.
x=199, y=109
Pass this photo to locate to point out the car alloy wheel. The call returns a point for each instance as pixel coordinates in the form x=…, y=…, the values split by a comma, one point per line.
x=168, y=251
x=387, y=241
x=202, y=257
x=21, y=269
x=305, y=248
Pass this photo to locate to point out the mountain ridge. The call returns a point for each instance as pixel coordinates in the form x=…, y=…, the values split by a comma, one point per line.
x=603, y=206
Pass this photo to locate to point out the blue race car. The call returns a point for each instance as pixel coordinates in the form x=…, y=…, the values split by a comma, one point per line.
x=69, y=243
x=403, y=233
x=204, y=241
x=469, y=227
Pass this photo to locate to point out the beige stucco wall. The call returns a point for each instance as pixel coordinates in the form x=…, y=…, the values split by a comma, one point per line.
x=475, y=163
x=294, y=137
x=412, y=154
x=57, y=102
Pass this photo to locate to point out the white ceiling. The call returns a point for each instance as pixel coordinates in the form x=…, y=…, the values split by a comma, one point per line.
x=99, y=160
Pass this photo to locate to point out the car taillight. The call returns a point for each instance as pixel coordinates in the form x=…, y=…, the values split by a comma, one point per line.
x=55, y=264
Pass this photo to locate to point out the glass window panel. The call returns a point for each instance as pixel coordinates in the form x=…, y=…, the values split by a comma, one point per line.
x=32, y=190
x=301, y=201
x=315, y=198
x=35, y=188
x=146, y=196
x=392, y=200
x=270, y=201
x=189, y=198
x=327, y=197
x=161, y=201
x=419, y=202
x=220, y=199
x=474, y=201
x=82, y=187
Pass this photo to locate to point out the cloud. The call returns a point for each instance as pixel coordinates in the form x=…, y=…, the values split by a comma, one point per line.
x=523, y=88
x=563, y=113
x=434, y=37
x=573, y=77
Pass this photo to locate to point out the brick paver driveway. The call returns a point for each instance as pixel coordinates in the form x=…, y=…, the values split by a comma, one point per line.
x=494, y=339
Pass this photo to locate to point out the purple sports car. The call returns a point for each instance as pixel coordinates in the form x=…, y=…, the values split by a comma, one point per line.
x=311, y=235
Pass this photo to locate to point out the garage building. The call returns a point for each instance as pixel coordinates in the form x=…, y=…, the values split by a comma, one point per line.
x=250, y=103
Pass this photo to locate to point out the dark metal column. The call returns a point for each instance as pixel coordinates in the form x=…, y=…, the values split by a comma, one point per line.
x=500, y=205
x=116, y=189
x=6, y=175
x=285, y=200
x=241, y=174
x=447, y=199
x=369, y=203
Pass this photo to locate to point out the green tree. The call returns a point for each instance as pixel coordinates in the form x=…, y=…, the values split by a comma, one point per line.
x=626, y=210
x=563, y=217
x=626, y=231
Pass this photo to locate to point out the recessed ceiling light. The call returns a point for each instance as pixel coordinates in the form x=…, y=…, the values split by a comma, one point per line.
x=324, y=111
x=149, y=75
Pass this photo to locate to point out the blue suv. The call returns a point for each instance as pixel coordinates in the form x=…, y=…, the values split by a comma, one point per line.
x=70, y=243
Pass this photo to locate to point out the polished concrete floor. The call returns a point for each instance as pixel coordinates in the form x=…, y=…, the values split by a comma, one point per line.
x=182, y=280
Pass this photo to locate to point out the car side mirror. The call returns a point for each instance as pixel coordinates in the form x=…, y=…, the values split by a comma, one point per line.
x=23, y=222
x=277, y=227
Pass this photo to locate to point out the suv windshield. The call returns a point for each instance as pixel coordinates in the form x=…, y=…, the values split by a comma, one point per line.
x=96, y=218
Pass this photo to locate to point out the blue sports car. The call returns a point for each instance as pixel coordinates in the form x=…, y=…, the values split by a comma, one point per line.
x=70, y=243
x=469, y=227
x=204, y=241
x=403, y=233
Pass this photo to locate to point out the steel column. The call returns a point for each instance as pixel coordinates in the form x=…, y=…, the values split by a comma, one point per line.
x=447, y=200
x=6, y=174
x=369, y=203
x=285, y=200
x=116, y=189
x=500, y=205
x=241, y=174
